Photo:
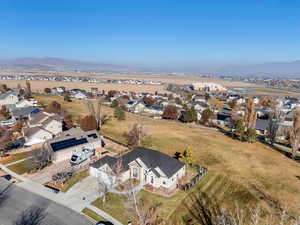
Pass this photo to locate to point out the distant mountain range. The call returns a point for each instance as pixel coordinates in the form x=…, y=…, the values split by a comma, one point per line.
x=51, y=64
x=276, y=69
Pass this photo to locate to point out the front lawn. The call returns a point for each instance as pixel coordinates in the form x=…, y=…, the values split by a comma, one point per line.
x=90, y=213
x=115, y=205
x=15, y=157
x=74, y=179
x=21, y=167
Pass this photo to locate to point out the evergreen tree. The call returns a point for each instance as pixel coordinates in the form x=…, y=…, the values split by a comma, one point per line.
x=251, y=135
x=114, y=104
x=239, y=131
x=119, y=113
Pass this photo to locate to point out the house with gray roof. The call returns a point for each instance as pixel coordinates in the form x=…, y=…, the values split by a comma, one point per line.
x=149, y=166
x=9, y=97
x=42, y=126
x=23, y=112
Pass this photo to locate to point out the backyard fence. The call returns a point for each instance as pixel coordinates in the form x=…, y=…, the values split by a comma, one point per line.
x=201, y=172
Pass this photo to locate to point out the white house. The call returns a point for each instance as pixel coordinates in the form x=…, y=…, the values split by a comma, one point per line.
x=8, y=98
x=42, y=126
x=146, y=165
x=79, y=95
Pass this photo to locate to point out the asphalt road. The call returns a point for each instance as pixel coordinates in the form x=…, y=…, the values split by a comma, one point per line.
x=17, y=199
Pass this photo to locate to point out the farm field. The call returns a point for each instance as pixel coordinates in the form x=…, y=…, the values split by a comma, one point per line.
x=238, y=172
x=39, y=86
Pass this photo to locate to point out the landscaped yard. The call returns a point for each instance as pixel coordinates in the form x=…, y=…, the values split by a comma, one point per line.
x=238, y=171
x=15, y=157
x=114, y=205
x=90, y=213
x=21, y=167
x=74, y=179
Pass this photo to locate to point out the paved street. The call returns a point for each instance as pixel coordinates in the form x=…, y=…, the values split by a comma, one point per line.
x=19, y=199
x=76, y=199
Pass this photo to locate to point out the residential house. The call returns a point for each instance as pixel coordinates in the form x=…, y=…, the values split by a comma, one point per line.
x=149, y=166
x=23, y=113
x=79, y=95
x=155, y=109
x=70, y=141
x=261, y=126
x=9, y=97
x=199, y=105
x=42, y=126
x=136, y=107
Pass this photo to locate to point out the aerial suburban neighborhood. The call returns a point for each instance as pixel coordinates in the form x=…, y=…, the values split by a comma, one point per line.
x=159, y=112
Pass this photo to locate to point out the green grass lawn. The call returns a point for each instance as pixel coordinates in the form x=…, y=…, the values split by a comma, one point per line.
x=15, y=157
x=74, y=179
x=90, y=213
x=115, y=205
x=21, y=167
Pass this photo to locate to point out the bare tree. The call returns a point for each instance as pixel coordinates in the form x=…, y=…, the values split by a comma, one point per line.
x=250, y=114
x=42, y=157
x=135, y=135
x=295, y=133
x=96, y=111
x=109, y=179
x=5, y=136
x=273, y=125
x=144, y=212
x=28, y=90
x=34, y=215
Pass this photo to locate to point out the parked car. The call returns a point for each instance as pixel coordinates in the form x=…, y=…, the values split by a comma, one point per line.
x=104, y=223
x=82, y=155
x=19, y=143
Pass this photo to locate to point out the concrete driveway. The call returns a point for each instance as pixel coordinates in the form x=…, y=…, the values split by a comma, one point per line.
x=81, y=194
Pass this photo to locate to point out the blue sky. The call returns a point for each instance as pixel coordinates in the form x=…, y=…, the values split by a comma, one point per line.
x=169, y=32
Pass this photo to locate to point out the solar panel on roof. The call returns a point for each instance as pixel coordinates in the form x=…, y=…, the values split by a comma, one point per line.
x=68, y=143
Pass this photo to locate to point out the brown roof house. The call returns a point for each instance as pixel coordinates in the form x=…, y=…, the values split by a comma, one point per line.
x=42, y=126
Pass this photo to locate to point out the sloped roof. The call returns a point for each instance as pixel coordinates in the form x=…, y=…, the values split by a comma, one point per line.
x=4, y=95
x=25, y=111
x=261, y=124
x=151, y=158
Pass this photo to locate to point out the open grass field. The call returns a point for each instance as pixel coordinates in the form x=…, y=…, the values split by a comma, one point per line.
x=39, y=86
x=249, y=172
x=272, y=91
x=175, y=79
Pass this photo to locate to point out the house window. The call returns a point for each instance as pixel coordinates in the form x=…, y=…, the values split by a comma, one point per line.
x=135, y=172
x=152, y=180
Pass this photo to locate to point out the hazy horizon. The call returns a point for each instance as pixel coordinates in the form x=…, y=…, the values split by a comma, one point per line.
x=155, y=33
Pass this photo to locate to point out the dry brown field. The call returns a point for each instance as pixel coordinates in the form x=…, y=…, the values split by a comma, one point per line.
x=39, y=86
x=175, y=79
